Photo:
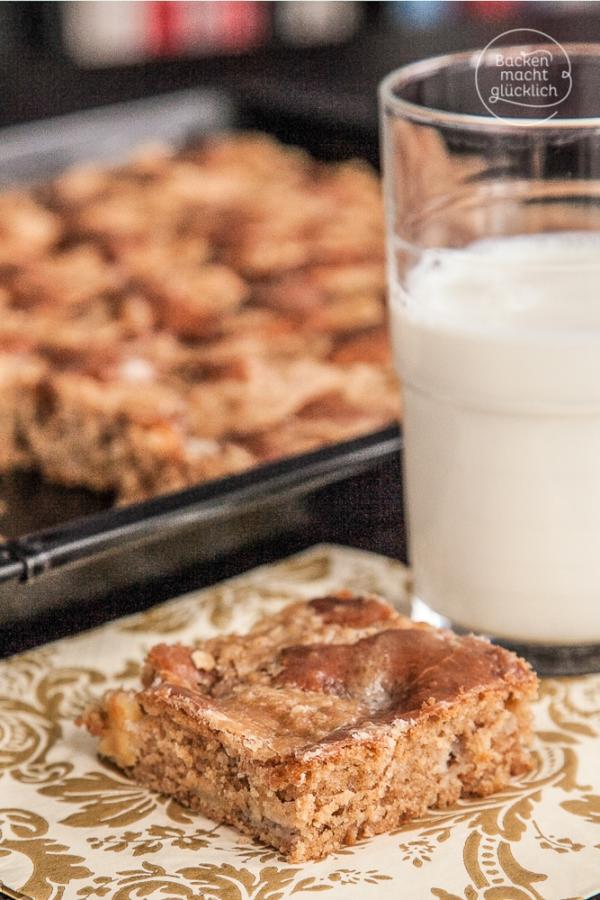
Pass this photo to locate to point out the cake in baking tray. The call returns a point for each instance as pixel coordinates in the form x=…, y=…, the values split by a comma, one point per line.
x=330, y=721
x=189, y=315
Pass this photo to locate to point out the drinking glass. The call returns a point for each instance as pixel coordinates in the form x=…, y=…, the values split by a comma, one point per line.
x=493, y=225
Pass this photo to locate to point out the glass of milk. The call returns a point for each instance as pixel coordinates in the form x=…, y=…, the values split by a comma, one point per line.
x=494, y=291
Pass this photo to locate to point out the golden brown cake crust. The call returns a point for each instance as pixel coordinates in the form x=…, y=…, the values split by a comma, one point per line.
x=236, y=289
x=274, y=724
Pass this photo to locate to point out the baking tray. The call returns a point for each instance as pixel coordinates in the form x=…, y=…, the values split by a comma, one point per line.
x=67, y=545
x=94, y=555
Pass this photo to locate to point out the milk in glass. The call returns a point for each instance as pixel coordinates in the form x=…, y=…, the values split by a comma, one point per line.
x=498, y=348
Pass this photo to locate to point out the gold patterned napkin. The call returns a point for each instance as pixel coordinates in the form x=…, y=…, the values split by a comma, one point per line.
x=74, y=828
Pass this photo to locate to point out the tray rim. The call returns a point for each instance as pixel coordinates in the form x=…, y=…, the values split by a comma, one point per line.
x=31, y=556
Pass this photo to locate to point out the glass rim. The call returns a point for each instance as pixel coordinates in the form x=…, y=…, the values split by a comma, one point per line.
x=422, y=69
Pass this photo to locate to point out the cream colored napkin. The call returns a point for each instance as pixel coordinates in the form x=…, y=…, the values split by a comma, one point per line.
x=72, y=827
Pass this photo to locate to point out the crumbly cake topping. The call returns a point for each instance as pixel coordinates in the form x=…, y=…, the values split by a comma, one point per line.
x=238, y=288
x=320, y=672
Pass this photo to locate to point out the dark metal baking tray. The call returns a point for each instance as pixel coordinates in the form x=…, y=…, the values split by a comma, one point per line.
x=91, y=556
x=40, y=150
x=66, y=545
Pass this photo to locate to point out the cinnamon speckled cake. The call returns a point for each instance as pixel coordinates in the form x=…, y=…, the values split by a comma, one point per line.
x=331, y=721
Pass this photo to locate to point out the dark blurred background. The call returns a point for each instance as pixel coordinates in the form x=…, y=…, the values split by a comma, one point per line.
x=305, y=71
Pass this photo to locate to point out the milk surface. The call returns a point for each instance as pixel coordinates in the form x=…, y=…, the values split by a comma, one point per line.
x=498, y=347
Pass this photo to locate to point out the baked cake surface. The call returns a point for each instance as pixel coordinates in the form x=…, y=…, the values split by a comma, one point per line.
x=189, y=315
x=331, y=721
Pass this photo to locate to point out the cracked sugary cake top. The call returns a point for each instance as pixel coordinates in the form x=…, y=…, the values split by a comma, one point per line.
x=322, y=672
